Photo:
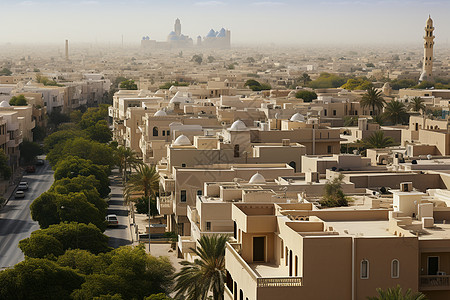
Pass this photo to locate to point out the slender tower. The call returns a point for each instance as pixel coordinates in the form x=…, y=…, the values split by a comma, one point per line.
x=67, y=49
x=427, y=73
x=177, y=27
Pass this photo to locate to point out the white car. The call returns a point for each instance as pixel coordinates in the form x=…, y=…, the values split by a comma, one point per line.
x=23, y=186
x=19, y=194
x=112, y=220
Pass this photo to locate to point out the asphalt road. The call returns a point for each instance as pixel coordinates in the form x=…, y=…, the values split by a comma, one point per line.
x=15, y=219
x=120, y=235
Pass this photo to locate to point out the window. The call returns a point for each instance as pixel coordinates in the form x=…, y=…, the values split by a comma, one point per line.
x=293, y=165
x=296, y=265
x=236, y=150
x=199, y=192
x=183, y=165
x=183, y=196
x=164, y=133
x=334, y=112
x=241, y=295
x=395, y=268
x=168, y=132
x=325, y=112
x=364, y=269
x=234, y=230
x=155, y=131
x=329, y=149
x=208, y=226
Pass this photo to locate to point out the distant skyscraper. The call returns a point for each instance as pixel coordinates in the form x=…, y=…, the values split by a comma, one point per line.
x=67, y=49
x=427, y=73
x=177, y=27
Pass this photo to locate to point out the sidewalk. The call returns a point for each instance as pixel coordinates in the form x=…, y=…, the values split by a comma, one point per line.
x=16, y=178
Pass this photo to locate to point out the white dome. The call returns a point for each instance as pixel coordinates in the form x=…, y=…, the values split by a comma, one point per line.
x=257, y=179
x=297, y=118
x=238, y=125
x=291, y=94
x=178, y=99
x=182, y=140
x=160, y=113
x=4, y=103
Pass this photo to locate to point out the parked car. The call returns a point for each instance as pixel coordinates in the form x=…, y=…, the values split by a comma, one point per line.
x=39, y=162
x=112, y=220
x=30, y=169
x=23, y=186
x=19, y=194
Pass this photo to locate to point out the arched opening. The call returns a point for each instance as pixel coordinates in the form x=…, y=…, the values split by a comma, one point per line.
x=293, y=165
x=395, y=268
x=236, y=150
x=155, y=131
x=364, y=269
x=290, y=262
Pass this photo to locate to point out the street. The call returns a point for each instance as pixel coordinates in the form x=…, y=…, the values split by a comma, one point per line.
x=15, y=219
x=120, y=235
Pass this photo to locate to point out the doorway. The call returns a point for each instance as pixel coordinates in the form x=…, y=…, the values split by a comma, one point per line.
x=259, y=243
x=433, y=265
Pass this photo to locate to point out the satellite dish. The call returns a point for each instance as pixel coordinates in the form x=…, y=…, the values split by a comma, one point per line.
x=429, y=156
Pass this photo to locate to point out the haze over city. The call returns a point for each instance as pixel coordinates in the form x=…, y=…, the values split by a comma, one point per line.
x=253, y=22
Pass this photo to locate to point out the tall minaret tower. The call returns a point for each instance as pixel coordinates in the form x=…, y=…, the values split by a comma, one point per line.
x=177, y=27
x=427, y=73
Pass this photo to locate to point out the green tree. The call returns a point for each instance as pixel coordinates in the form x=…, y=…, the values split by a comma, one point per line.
x=372, y=98
x=128, y=85
x=378, y=140
x=71, y=236
x=93, y=115
x=357, y=84
x=333, y=194
x=52, y=208
x=37, y=279
x=395, y=112
x=75, y=116
x=350, y=121
x=417, y=104
x=160, y=296
x=327, y=80
x=396, y=293
x=100, y=132
x=41, y=246
x=197, y=58
x=29, y=151
x=18, y=101
x=39, y=133
x=82, y=261
x=207, y=273
x=126, y=158
x=99, y=154
x=5, y=72
x=59, y=137
x=168, y=85
x=146, y=180
x=305, y=79
x=307, y=96
x=130, y=273
x=73, y=166
x=142, y=206
x=398, y=84
x=5, y=169
x=56, y=118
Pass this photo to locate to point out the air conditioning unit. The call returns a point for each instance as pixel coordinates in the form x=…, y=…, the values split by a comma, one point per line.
x=406, y=187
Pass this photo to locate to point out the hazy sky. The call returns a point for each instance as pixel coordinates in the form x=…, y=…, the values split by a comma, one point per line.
x=286, y=22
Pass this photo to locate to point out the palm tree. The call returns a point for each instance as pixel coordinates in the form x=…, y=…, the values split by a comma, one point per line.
x=126, y=158
x=145, y=180
x=378, y=140
x=205, y=274
x=417, y=104
x=395, y=112
x=372, y=98
x=379, y=119
x=397, y=294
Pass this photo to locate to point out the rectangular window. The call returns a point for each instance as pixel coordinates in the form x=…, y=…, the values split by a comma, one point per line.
x=433, y=265
x=259, y=244
x=325, y=112
x=164, y=133
x=183, y=196
x=364, y=269
x=208, y=226
x=334, y=112
x=329, y=149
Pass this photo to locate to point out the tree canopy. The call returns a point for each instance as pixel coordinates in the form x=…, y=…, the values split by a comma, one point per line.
x=372, y=98
x=395, y=112
x=256, y=86
x=357, y=84
x=378, y=140
x=128, y=85
x=37, y=279
x=18, y=101
x=29, y=151
x=307, y=96
x=327, y=80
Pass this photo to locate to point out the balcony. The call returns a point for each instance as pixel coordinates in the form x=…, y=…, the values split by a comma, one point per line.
x=164, y=205
x=168, y=184
x=241, y=271
x=434, y=282
x=185, y=244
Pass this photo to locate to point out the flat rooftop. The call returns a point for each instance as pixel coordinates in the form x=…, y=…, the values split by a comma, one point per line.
x=268, y=270
x=362, y=228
